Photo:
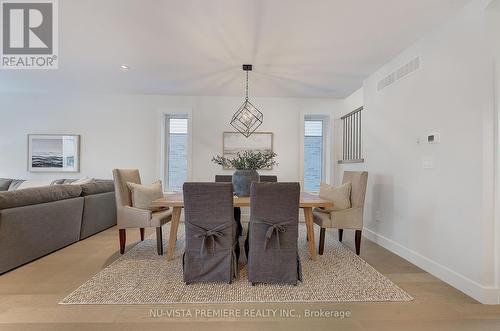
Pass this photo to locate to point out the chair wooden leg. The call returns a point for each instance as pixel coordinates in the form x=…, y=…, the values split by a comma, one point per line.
x=123, y=238
x=142, y=233
x=341, y=232
x=321, y=241
x=358, y=241
x=159, y=241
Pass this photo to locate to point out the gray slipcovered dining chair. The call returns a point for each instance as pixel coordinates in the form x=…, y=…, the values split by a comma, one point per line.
x=130, y=217
x=209, y=254
x=223, y=178
x=273, y=232
x=237, y=210
x=351, y=218
x=268, y=178
x=229, y=178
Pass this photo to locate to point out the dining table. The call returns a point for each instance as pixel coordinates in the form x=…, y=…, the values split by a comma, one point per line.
x=308, y=201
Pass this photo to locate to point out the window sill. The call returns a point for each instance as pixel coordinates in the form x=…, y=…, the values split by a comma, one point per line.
x=351, y=161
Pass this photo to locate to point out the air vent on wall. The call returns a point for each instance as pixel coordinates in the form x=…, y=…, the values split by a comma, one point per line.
x=401, y=72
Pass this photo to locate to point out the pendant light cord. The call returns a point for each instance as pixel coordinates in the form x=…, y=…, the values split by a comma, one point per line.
x=247, y=88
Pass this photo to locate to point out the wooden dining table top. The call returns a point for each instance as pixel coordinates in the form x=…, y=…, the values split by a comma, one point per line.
x=307, y=200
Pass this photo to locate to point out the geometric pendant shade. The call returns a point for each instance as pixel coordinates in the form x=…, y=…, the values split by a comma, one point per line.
x=247, y=118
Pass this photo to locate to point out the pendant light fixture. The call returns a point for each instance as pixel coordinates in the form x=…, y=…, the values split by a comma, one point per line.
x=247, y=118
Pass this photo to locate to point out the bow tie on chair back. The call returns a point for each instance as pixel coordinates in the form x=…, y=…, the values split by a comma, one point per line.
x=209, y=235
x=274, y=228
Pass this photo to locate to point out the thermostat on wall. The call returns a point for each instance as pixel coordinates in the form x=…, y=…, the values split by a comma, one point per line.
x=433, y=138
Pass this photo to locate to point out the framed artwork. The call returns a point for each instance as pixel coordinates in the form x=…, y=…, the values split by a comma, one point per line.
x=53, y=153
x=235, y=142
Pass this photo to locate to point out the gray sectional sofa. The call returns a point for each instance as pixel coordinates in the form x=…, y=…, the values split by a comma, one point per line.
x=38, y=221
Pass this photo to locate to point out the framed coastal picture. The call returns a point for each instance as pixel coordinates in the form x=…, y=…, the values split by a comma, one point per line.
x=53, y=153
x=235, y=142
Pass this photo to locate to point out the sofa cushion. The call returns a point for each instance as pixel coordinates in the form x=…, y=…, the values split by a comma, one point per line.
x=15, y=184
x=5, y=183
x=340, y=196
x=36, y=195
x=99, y=213
x=98, y=187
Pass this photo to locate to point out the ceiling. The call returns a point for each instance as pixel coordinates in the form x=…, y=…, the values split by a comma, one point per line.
x=298, y=48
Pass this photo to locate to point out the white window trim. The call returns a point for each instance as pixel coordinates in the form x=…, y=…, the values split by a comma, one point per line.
x=164, y=146
x=327, y=153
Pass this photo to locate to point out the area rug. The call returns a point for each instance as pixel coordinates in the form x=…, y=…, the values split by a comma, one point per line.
x=142, y=277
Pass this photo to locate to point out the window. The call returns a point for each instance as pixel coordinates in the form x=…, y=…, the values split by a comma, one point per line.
x=177, y=145
x=352, y=137
x=314, y=152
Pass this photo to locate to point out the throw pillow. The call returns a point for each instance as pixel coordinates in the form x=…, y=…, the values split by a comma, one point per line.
x=5, y=183
x=84, y=180
x=57, y=182
x=340, y=196
x=15, y=184
x=33, y=183
x=143, y=196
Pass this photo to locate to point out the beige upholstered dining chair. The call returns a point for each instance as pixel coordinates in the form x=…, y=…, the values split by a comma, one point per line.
x=130, y=217
x=351, y=218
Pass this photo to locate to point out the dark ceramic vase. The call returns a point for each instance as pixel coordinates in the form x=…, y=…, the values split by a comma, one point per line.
x=242, y=179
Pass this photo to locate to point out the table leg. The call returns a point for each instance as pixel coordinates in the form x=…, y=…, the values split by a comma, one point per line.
x=176, y=216
x=310, y=232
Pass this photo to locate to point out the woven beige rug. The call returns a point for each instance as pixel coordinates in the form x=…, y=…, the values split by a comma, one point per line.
x=142, y=277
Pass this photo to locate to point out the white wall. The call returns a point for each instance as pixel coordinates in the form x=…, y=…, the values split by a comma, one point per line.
x=125, y=130
x=441, y=219
x=493, y=34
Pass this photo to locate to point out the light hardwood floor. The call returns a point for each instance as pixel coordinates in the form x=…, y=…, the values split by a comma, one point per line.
x=29, y=297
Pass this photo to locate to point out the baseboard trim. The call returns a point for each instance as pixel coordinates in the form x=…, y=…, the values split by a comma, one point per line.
x=485, y=295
